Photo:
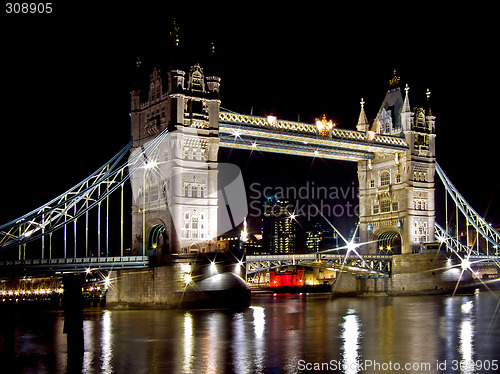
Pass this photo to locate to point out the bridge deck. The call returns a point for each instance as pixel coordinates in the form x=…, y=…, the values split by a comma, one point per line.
x=75, y=264
x=253, y=132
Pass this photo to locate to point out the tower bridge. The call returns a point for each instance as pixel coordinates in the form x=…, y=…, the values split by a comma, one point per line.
x=183, y=197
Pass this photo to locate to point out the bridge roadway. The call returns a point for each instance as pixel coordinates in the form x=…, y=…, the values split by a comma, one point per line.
x=79, y=264
x=366, y=265
x=361, y=265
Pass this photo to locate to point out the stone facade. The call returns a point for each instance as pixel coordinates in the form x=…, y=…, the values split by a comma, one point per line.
x=396, y=192
x=174, y=205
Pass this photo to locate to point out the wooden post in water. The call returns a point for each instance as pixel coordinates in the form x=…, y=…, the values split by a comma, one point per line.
x=73, y=320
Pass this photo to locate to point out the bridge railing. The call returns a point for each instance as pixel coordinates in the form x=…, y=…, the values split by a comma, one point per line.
x=473, y=219
x=306, y=129
x=75, y=264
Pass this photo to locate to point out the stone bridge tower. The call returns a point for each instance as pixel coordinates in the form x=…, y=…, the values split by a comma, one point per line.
x=174, y=203
x=396, y=193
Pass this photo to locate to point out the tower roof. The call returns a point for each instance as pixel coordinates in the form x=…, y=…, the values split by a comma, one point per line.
x=393, y=104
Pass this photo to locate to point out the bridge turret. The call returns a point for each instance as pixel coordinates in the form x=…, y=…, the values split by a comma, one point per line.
x=178, y=196
x=396, y=194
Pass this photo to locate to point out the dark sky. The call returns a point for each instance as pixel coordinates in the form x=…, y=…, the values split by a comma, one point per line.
x=65, y=80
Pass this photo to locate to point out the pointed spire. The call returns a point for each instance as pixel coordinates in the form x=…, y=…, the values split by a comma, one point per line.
x=138, y=75
x=362, y=120
x=406, y=103
x=406, y=113
x=174, y=33
x=428, y=94
x=430, y=120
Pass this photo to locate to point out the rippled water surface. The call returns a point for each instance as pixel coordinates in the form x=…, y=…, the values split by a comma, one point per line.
x=277, y=334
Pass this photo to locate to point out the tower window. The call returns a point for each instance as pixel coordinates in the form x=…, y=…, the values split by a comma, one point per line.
x=372, y=183
x=385, y=206
x=395, y=206
x=398, y=178
x=385, y=178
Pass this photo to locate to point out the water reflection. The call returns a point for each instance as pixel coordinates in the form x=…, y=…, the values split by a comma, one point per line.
x=240, y=346
x=259, y=321
x=270, y=337
x=259, y=326
x=351, y=336
x=188, y=343
x=106, y=343
x=212, y=353
x=467, y=339
x=88, y=356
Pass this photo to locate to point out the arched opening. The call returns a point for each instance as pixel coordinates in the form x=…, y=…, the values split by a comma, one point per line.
x=157, y=240
x=194, y=248
x=389, y=243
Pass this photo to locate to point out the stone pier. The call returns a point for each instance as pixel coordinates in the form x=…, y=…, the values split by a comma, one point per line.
x=412, y=274
x=184, y=280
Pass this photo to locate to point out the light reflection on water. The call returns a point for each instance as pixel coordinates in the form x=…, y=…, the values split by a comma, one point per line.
x=276, y=335
x=188, y=343
x=106, y=343
x=351, y=338
x=466, y=337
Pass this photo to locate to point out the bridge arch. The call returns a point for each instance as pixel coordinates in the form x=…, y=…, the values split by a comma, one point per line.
x=389, y=242
x=157, y=238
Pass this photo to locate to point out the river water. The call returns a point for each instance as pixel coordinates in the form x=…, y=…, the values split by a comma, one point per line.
x=277, y=334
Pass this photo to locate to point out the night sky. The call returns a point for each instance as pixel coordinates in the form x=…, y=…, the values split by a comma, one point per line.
x=66, y=77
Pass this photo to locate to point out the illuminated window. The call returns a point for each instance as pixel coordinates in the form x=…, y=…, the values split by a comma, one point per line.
x=385, y=178
x=385, y=206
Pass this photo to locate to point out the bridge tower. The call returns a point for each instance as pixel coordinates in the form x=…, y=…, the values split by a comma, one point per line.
x=174, y=203
x=396, y=193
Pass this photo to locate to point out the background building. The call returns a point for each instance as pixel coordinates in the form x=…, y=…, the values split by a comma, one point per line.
x=278, y=227
x=314, y=237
